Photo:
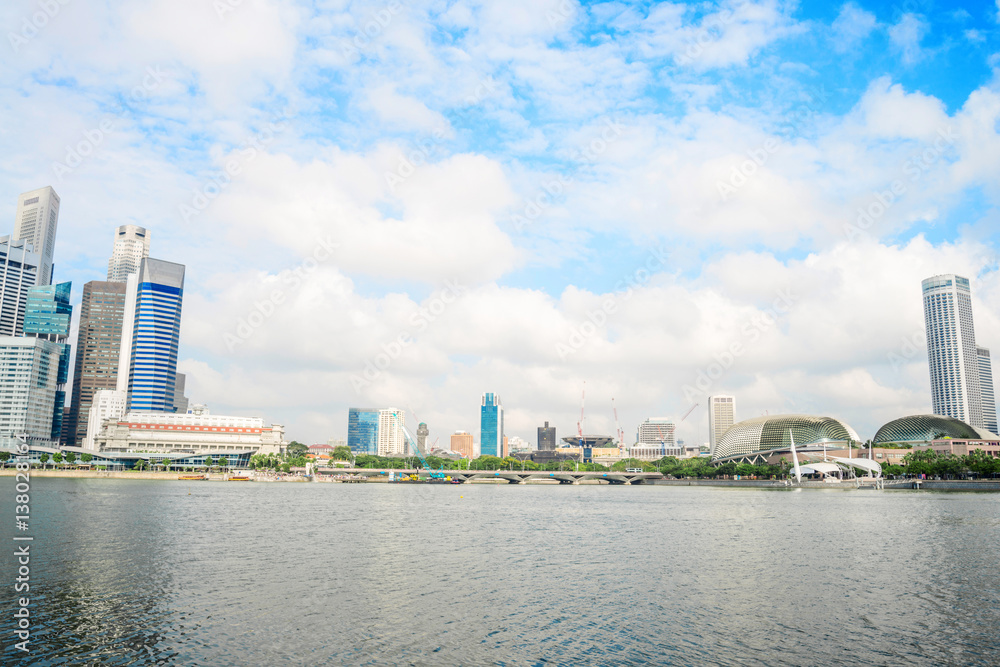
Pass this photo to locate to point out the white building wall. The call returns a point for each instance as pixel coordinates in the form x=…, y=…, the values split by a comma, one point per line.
x=36, y=222
x=107, y=404
x=391, y=441
x=951, y=348
x=721, y=415
x=131, y=245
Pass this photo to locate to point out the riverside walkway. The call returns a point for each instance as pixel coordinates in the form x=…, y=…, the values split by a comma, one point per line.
x=510, y=476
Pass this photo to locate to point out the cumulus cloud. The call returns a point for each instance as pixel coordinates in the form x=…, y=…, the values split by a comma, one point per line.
x=852, y=25
x=906, y=36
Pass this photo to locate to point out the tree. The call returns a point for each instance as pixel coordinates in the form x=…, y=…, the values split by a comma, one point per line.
x=86, y=457
x=44, y=458
x=342, y=453
x=4, y=457
x=166, y=464
x=223, y=462
x=209, y=462
x=297, y=449
x=57, y=458
x=71, y=457
x=140, y=465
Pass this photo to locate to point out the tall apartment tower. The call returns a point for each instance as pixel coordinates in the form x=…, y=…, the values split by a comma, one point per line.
x=546, y=437
x=721, y=415
x=391, y=441
x=362, y=430
x=491, y=437
x=986, y=388
x=18, y=273
x=98, y=348
x=147, y=366
x=35, y=224
x=951, y=349
x=131, y=247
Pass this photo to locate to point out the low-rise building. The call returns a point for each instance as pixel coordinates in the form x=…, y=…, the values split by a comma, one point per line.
x=190, y=433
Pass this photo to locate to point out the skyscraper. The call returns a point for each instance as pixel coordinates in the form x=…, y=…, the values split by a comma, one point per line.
x=362, y=430
x=36, y=222
x=546, y=437
x=98, y=348
x=131, y=247
x=18, y=273
x=47, y=316
x=657, y=431
x=491, y=441
x=951, y=349
x=181, y=401
x=721, y=415
x=391, y=441
x=986, y=388
x=152, y=331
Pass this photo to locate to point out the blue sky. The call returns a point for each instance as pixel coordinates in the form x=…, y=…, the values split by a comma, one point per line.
x=631, y=182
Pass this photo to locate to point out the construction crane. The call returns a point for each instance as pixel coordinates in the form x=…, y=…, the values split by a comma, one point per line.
x=690, y=410
x=618, y=429
x=411, y=441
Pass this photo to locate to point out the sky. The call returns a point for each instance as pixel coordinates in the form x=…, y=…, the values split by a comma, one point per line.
x=408, y=204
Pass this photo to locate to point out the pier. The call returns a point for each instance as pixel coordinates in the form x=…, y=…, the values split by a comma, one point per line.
x=510, y=476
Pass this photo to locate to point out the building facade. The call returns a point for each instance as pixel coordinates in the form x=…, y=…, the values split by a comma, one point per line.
x=462, y=443
x=18, y=273
x=98, y=349
x=154, y=326
x=48, y=316
x=105, y=404
x=721, y=415
x=422, y=433
x=189, y=434
x=362, y=430
x=491, y=435
x=36, y=223
x=391, y=441
x=658, y=432
x=131, y=247
x=986, y=389
x=546, y=437
x=29, y=368
x=951, y=349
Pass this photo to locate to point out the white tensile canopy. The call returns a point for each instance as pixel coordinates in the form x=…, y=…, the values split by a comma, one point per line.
x=865, y=464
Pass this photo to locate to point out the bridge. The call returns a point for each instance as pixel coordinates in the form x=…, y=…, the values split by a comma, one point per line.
x=511, y=476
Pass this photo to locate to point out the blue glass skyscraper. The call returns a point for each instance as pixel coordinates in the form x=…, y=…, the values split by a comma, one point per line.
x=47, y=315
x=491, y=426
x=154, y=329
x=362, y=430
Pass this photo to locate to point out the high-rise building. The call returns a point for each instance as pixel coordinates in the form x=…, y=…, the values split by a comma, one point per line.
x=98, y=348
x=131, y=247
x=18, y=273
x=546, y=437
x=462, y=443
x=181, y=401
x=36, y=223
x=47, y=316
x=105, y=404
x=986, y=389
x=491, y=441
x=422, y=433
x=362, y=430
x=951, y=349
x=151, y=335
x=721, y=415
x=657, y=431
x=29, y=368
x=391, y=441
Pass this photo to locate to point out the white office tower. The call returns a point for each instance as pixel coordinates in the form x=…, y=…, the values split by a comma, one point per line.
x=951, y=349
x=18, y=273
x=721, y=415
x=107, y=404
x=658, y=431
x=986, y=388
x=391, y=441
x=29, y=367
x=131, y=246
x=37, y=219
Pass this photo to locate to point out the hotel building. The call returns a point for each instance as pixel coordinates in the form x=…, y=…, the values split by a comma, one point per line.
x=721, y=415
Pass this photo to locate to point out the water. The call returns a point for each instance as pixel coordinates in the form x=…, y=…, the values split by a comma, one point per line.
x=172, y=573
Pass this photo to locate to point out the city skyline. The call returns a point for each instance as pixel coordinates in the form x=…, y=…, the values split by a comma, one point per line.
x=626, y=214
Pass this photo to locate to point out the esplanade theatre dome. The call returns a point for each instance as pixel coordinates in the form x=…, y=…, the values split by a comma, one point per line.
x=764, y=435
x=924, y=428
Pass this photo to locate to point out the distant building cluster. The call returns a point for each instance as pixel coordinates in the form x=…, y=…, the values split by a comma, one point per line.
x=126, y=394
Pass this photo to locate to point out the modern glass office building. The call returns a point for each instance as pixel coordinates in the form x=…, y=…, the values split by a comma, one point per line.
x=491, y=426
x=18, y=273
x=951, y=349
x=362, y=430
x=47, y=316
x=155, y=334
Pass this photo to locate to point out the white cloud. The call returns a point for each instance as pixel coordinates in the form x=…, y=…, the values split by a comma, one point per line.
x=907, y=35
x=852, y=26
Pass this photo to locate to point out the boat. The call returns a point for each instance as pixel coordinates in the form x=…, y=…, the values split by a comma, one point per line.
x=192, y=478
x=239, y=478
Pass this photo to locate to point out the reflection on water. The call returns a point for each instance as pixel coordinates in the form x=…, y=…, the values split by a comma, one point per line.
x=208, y=573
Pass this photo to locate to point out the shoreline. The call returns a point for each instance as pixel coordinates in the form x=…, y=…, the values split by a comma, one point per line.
x=890, y=485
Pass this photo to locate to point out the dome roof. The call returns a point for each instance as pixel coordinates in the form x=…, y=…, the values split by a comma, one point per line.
x=764, y=434
x=923, y=428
